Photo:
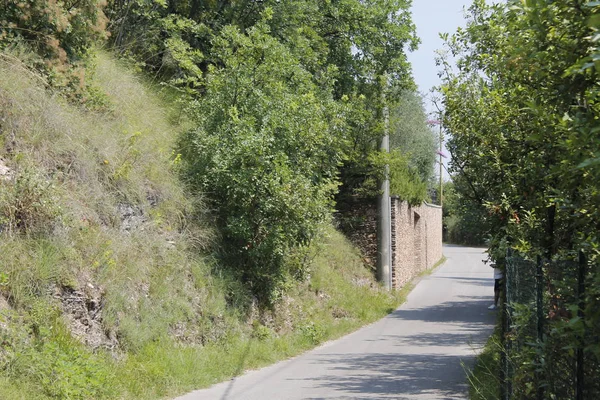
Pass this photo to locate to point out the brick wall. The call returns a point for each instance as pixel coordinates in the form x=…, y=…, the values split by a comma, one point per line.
x=416, y=240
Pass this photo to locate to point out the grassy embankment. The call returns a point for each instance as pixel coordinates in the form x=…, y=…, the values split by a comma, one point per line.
x=107, y=288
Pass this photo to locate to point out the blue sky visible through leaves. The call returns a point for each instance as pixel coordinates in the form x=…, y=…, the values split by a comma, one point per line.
x=433, y=17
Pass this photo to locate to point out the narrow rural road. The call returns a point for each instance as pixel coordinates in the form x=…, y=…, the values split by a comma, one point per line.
x=420, y=351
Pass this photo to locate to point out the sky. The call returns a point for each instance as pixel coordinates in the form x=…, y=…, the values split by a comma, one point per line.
x=433, y=17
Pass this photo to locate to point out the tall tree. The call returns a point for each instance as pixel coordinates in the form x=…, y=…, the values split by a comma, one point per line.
x=265, y=153
x=515, y=115
x=411, y=134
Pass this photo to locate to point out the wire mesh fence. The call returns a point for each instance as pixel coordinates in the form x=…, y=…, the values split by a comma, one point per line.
x=549, y=350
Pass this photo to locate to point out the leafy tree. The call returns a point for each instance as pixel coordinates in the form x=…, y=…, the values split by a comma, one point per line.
x=60, y=31
x=412, y=154
x=464, y=221
x=173, y=38
x=361, y=44
x=410, y=133
x=404, y=179
x=514, y=114
x=304, y=110
x=266, y=153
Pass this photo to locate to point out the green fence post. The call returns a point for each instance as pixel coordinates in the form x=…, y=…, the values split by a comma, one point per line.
x=539, y=297
x=581, y=296
x=506, y=381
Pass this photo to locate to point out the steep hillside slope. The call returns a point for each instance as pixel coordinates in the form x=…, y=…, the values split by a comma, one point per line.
x=107, y=286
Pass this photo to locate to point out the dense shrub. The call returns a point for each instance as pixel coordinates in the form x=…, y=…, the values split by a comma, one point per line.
x=265, y=153
x=464, y=221
x=523, y=111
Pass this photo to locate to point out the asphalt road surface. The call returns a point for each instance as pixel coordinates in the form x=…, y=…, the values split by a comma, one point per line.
x=420, y=351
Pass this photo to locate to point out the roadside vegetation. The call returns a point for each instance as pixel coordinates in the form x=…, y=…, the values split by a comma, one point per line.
x=522, y=110
x=118, y=301
x=168, y=173
x=464, y=222
x=484, y=380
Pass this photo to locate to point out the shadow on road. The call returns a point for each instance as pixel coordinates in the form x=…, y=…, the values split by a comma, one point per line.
x=467, y=313
x=470, y=281
x=395, y=375
x=473, y=336
x=425, y=371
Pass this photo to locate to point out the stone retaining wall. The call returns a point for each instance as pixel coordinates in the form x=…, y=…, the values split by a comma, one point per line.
x=416, y=240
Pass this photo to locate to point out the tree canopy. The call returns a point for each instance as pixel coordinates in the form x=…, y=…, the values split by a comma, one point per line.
x=520, y=110
x=288, y=99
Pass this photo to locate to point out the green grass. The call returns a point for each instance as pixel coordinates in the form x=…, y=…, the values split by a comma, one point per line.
x=484, y=383
x=431, y=270
x=341, y=295
x=171, y=318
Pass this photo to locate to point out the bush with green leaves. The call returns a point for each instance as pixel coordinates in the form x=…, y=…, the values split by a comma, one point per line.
x=355, y=43
x=405, y=180
x=60, y=32
x=58, y=366
x=464, y=221
x=265, y=153
x=411, y=134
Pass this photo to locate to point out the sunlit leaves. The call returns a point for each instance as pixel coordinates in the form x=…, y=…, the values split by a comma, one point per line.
x=520, y=116
x=266, y=153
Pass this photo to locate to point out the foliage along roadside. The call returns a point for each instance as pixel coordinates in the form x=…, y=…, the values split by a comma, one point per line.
x=464, y=222
x=337, y=65
x=107, y=297
x=265, y=153
x=522, y=109
x=113, y=180
x=60, y=34
x=283, y=107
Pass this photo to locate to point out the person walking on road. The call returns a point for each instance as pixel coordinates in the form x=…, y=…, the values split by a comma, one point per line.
x=498, y=277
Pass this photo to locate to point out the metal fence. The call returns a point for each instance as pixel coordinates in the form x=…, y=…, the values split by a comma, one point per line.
x=546, y=340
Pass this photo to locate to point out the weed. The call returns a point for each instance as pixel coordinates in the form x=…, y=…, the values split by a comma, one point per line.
x=27, y=202
x=312, y=332
x=261, y=332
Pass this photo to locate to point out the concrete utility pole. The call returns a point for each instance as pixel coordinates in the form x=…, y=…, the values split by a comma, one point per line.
x=384, y=222
x=441, y=165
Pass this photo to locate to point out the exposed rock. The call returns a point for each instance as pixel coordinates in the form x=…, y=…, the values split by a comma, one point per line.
x=153, y=198
x=340, y=313
x=3, y=303
x=5, y=172
x=358, y=221
x=131, y=218
x=82, y=309
x=322, y=295
x=6, y=121
x=4, y=306
x=360, y=282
